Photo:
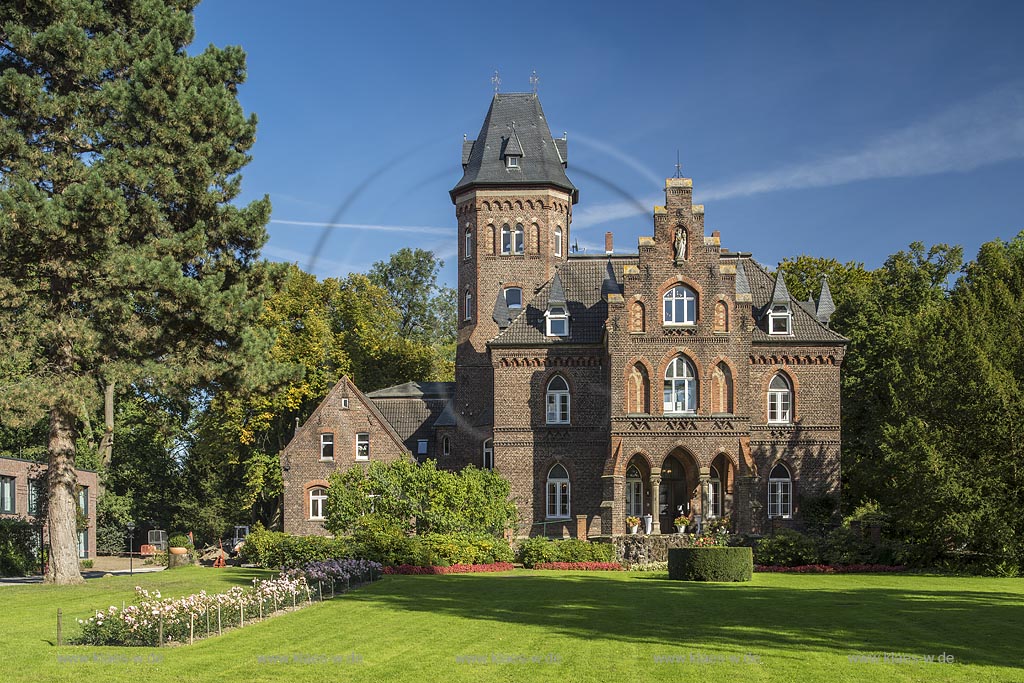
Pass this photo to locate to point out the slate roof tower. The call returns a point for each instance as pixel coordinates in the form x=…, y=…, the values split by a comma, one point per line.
x=513, y=205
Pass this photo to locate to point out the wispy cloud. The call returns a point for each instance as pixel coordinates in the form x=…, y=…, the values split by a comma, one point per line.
x=978, y=132
x=324, y=267
x=613, y=151
x=422, y=229
x=981, y=131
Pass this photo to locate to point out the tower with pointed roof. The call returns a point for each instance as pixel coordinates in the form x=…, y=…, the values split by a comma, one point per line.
x=513, y=205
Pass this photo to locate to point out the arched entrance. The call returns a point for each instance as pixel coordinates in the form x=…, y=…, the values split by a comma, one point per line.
x=676, y=490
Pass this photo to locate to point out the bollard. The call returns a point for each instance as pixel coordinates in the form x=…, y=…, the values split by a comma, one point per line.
x=60, y=627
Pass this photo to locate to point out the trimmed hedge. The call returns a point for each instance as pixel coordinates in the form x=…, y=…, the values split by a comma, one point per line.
x=540, y=550
x=710, y=564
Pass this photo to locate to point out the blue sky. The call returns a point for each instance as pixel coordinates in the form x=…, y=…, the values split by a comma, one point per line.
x=844, y=130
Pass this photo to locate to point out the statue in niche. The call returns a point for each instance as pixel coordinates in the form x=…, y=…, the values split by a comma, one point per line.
x=680, y=244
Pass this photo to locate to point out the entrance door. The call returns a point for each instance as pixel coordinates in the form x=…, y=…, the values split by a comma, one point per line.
x=673, y=499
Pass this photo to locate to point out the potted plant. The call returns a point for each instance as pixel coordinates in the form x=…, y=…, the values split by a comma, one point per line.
x=633, y=523
x=178, y=544
x=681, y=522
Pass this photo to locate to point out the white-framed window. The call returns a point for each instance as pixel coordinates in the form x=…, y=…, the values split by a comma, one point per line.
x=557, y=322
x=512, y=161
x=83, y=500
x=362, y=446
x=780, y=400
x=780, y=493
x=446, y=446
x=421, y=447
x=634, y=492
x=558, y=493
x=344, y=404
x=317, y=502
x=513, y=297
x=558, y=401
x=512, y=239
x=680, y=387
x=558, y=241
x=7, y=495
x=488, y=461
x=35, y=495
x=327, y=446
x=714, y=494
x=680, y=306
x=780, y=320
x=468, y=315
x=469, y=243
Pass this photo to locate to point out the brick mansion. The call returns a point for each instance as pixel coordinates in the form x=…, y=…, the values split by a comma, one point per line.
x=681, y=378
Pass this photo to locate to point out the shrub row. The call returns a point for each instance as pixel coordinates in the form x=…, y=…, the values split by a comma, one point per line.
x=831, y=569
x=539, y=550
x=388, y=546
x=842, y=546
x=18, y=541
x=581, y=566
x=451, y=569
x=710, y=564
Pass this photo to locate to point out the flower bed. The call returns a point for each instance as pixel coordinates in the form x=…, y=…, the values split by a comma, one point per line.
x=453, y=569
x=831, y=569
x=581, y=566
x=156, y=620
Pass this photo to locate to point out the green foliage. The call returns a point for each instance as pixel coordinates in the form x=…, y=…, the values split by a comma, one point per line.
x=274, y=549
x=178, y=540
x=18, y=543
x=469, y=501
x=538, y=549
x=787, y=548
x=716, y=563
x=818, y=512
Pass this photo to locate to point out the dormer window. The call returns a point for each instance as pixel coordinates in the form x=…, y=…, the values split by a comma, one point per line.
x=514, y=297
x=780, y=320
x=511, y=161
x=557, y=322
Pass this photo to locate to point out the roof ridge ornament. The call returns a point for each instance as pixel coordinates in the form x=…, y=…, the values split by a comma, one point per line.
x=533, y=81
x=496, y=82
x=679, y=167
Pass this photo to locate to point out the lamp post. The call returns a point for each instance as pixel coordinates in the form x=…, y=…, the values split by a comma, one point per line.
x=131, y=548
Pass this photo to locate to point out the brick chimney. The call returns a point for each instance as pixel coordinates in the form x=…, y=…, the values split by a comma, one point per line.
x=608, y=243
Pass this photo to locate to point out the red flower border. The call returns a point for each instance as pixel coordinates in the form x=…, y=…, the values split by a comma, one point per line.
x=831, y=568
x=453, y=569
x=581, y=566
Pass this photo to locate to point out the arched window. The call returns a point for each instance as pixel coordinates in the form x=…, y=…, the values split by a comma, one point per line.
x=558, y=493
x=634, y=492
x=680, y=387
x=506, y=240
x=780, y=493
x=488, y=462
x=317, y=502
x=680, y=306
x=513, y=297
x=446, y=446
x=721, y=317
x=780, y=400
x=638, y=391
x=517, y=239
x=636, y=317
x=721, y=389
x=469, y=305
x=558, y=241
x=558, y=401
x=469, y=243
x=714, y=494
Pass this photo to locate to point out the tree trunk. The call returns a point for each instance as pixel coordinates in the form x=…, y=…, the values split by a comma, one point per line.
x=107, y=442
x=62, y=511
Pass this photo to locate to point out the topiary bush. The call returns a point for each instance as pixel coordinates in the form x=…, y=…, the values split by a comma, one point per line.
x=714, y=563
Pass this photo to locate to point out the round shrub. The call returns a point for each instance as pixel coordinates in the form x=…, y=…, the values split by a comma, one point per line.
x=710, y=564
x=178, y=540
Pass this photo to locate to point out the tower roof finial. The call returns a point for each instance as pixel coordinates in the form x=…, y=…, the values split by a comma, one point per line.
x=496, y=81
x=679, y=167
x=534, y=80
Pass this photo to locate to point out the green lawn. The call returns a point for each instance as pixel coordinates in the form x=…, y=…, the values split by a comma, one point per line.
x=573, y=626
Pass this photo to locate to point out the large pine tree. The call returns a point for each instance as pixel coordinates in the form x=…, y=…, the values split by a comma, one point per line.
x=122, y=258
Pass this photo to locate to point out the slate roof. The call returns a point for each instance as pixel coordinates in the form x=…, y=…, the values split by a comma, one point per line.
x=826, y=306
x=543, y=159
x=415, y=390
x=583, y=282
x=806, y=326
